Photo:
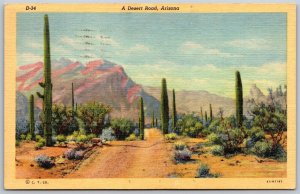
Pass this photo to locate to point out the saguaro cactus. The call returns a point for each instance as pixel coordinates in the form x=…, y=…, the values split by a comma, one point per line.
x=206, y=116
x=201, y=113
x=164, y=107
x=47, y=86
x=156, y=123
x=174, y=121
x=210, y=112
x=31, y=116
x=142, y=118
x=239, y=99
x=153, y=122
x=73, y=102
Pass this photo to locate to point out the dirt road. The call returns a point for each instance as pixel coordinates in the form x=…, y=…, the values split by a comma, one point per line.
x=151, y=158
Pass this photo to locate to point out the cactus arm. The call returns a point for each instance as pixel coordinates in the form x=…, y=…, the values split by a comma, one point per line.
x=40, y=95
x=42, y=84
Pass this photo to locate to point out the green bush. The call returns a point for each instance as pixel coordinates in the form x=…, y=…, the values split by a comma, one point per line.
x=189, y=125
x=60, y=138
x=132, y=137
x=22, y=137
x=81, y=138
x=204, y=172
x=179, y=145
x=213, y=139
x=217, y=150
x=39, y=145
x=262, y=149
x=171, y=136
x=122, y=127
x=37, y=138
x=28, y=137
x=91, y=136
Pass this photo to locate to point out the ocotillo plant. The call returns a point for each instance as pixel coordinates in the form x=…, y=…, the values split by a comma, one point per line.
x=47, y=86
x=164, y=107
x=239, y=99
x=205, y=116
x=174, y=121
x=73, y=103
x=142, y=118
x=210, y=113
x=31, y=116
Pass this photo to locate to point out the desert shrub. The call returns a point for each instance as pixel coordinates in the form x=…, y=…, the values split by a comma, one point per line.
x=22, y=137
x=131, y=137
x=262, y=149
x=44, y=161
x=189, y=125
x=122, y=127
x=91, y=136
x=39, y=145
x=22, y=127
x=37, y=138
x=179, y=145
x=17, y=143
x=108, y=134
x=28, y=137
x=60, y=138
x=79, y=155
x=81, y=138
x=171, y=136
x=204, y=172
x=183, y=155
x=73, y=154
x=279, y=153
x=70, y=154
x=213, y=139
x=227, y=136
x=93, y=116
x=217, y=150
x=212, y=128
x=255, y=134
x=63, y=120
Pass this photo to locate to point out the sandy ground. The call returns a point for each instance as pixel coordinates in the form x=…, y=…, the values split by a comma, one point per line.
x=152, y=158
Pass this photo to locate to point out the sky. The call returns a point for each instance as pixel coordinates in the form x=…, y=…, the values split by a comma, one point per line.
x=193, y=51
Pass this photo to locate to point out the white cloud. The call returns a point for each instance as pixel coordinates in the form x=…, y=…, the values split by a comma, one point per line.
x=190, y=47
x=249, y=43
x=27, y=58
x=69, y=41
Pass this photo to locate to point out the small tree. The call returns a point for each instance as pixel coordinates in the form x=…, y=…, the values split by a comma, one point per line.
x=93, y=115
x=122, y=127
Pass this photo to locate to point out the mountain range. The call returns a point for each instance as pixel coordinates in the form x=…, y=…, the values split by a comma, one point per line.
x=107, y=82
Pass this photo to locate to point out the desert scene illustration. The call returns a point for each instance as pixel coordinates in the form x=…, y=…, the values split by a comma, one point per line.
x=149, y=95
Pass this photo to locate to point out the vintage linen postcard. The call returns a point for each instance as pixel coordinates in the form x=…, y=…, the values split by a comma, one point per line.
x=150, y=96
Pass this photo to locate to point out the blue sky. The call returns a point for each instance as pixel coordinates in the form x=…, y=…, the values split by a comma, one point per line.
x=193, y=51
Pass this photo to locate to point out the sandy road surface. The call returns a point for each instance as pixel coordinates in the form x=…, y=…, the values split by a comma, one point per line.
x=151, y=158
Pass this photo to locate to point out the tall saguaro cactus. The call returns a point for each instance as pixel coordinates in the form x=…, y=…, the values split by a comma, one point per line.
x=201, y=113
x=153, y=122
x=164, y=107
x=47, y=86
x=174, y=116
x=210, y=113
x=31, y=116
x=206, y=117
x=73, y=102
x=239, y=99
x=142, y=118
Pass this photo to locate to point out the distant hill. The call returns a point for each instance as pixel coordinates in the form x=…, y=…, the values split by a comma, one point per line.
x=107, y=82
